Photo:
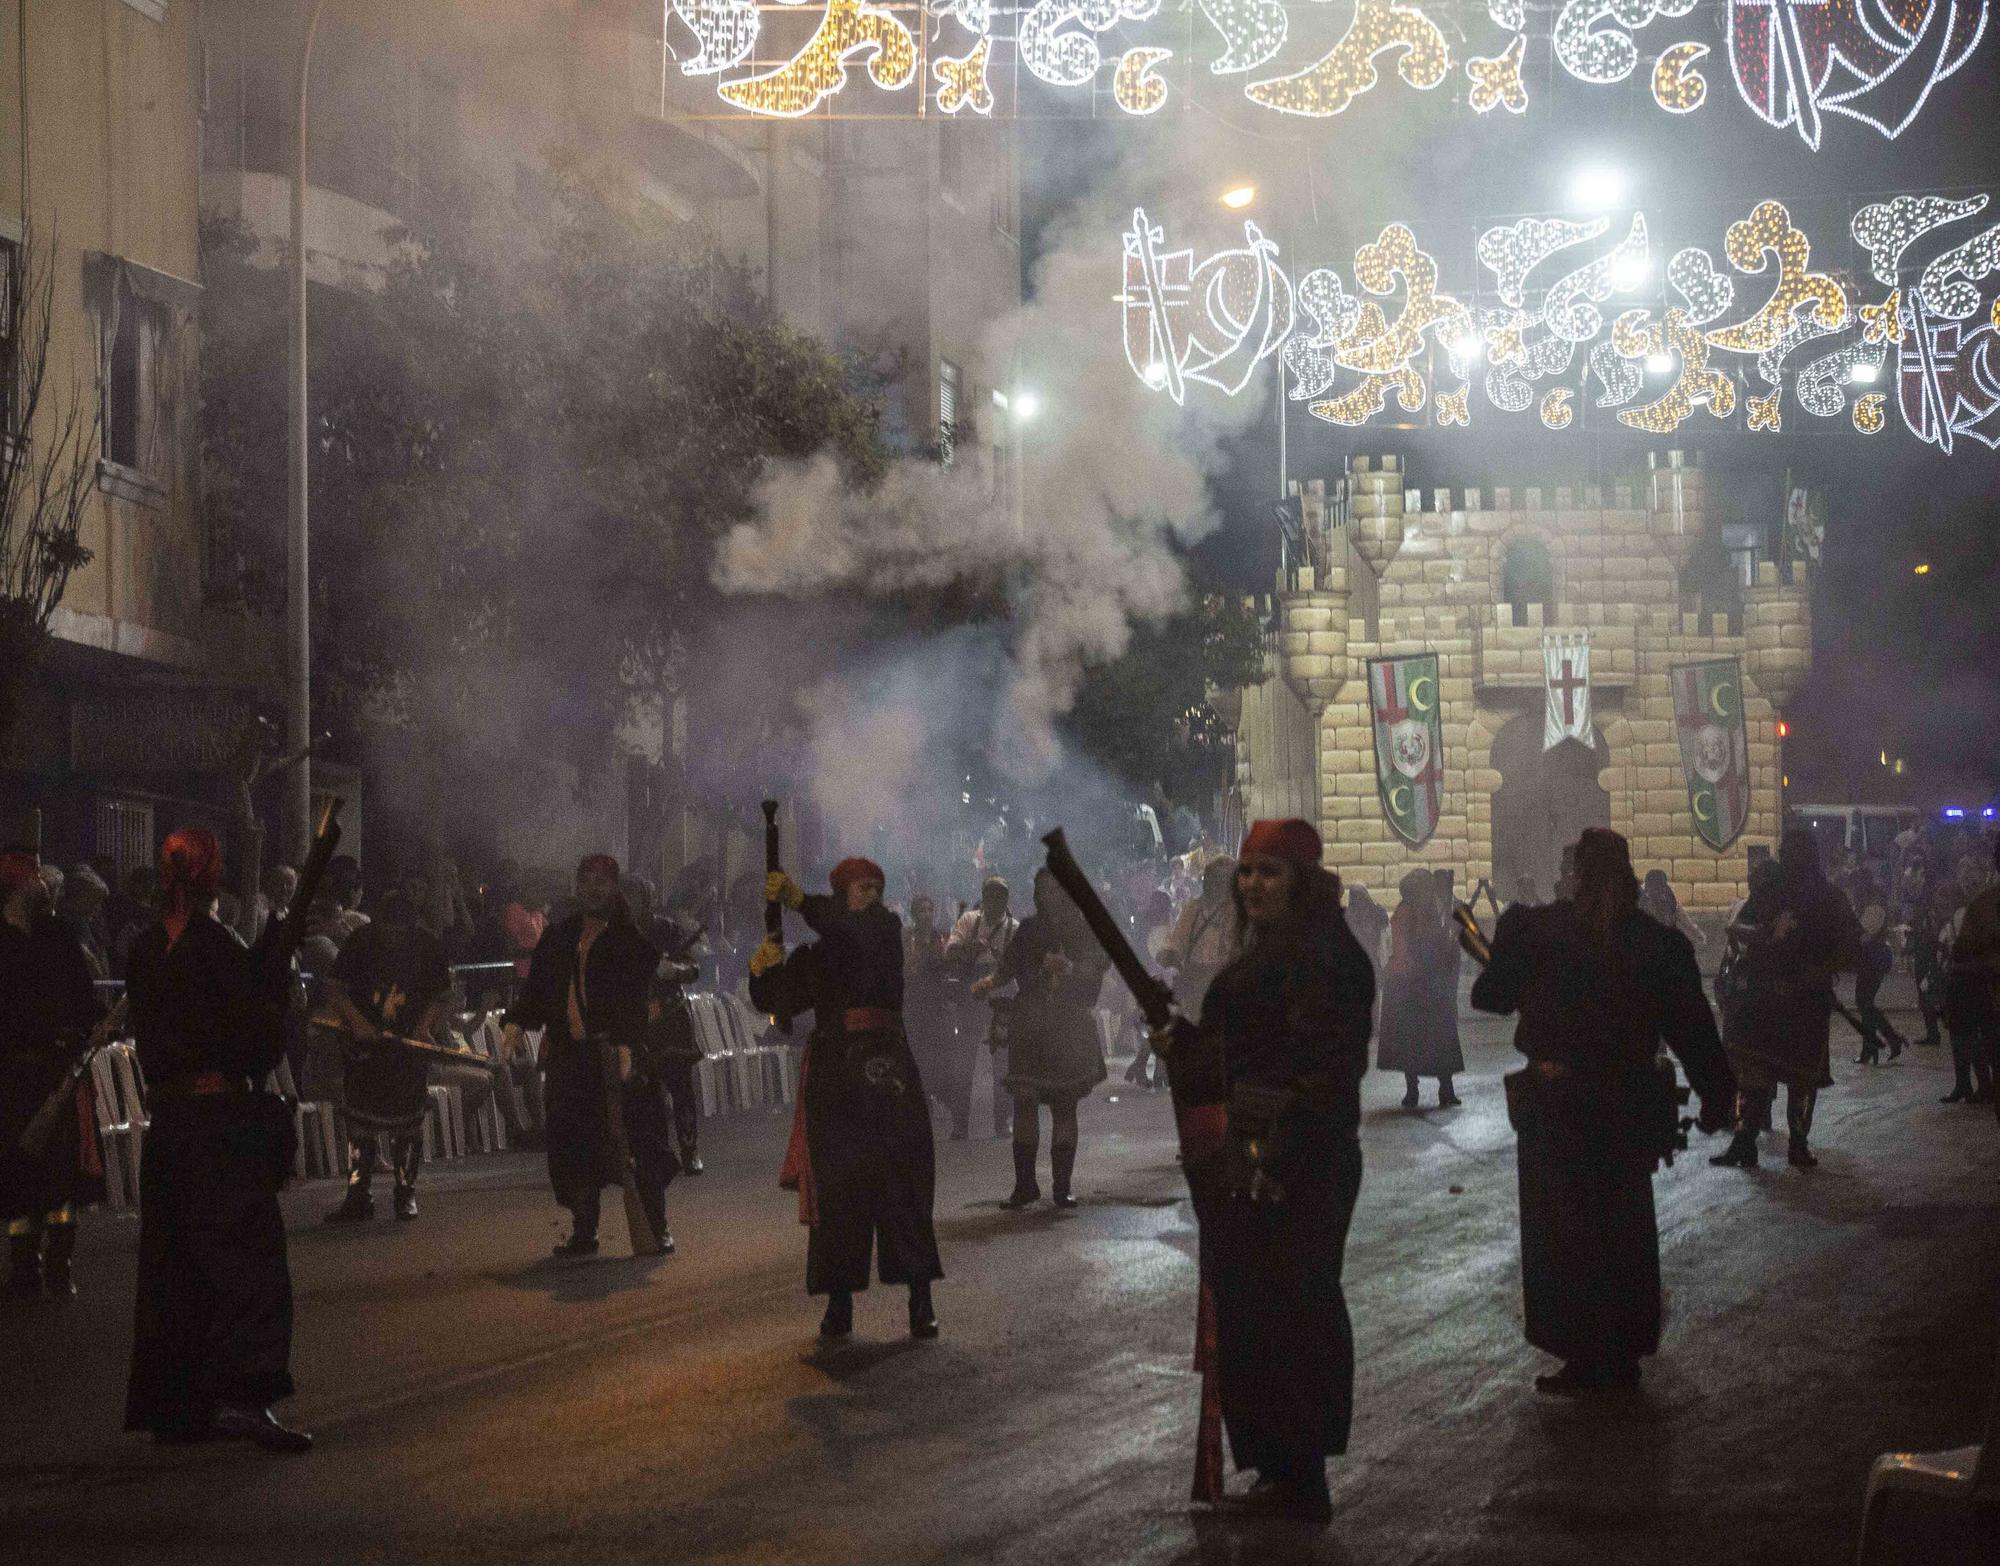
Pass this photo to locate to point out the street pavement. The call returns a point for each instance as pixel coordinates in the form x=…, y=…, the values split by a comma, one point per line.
x=477, y=1401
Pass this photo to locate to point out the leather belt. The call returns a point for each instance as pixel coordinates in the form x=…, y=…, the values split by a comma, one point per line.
x=869, y=1019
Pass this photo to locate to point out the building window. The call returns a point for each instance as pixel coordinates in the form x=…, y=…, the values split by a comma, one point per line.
x=134, y=342
x=1528, y=577
x=125, y=835
x=947, y=399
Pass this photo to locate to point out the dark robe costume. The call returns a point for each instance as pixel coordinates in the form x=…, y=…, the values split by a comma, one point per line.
x=670, y=1035
x=603, y=1002
x=1420, y=996
x=1289, y=1015
x=213, y=1322
x=1591, y=1023
x=1780, y=1029
x=392, y=974
x=1053, y=1052
x=861, y=1156
x=47, y=1006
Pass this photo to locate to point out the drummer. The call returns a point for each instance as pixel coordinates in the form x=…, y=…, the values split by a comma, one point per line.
x=390, y=982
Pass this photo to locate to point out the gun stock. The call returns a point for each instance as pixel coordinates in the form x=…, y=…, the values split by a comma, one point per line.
x=1155, y=1000
x=1470, y=936
x=279, y=943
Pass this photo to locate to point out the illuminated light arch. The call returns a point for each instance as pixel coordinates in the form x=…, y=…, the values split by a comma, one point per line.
x=962, y=82
x=1137, y=86
x=1211, y=323
x=1677, y=86
x=1252, y=33
x=1602, y=55
x=1869, y=417
x=1496, y=83
x=1556, y=410
x=1769, y=230
x=1767, y=412
x=726, y=30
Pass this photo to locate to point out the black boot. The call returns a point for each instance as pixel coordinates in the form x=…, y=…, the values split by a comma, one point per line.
x=1410, y=1099
x=1025, y=1190
x=25, y=1252
x=1447, y=1099
x=838, y=1322
x=1062, y=1164
x=923, y=1319
x=1741, y=1153
x=55, y=1269
x=691, y=1163
x=1799, y=1154
x=406, y=1202
x=258, y=1425
x=358, y=1204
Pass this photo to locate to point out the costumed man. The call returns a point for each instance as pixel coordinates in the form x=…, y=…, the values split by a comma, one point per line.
x=1599, y=986
x=861, y=1157
x=1267, y=1093
x=1795, y=934
x=1420, y=993
x=669, y=1024
x=47, y=1005
x=391, y=980
x=1054, y=1056
x=212, y=1328
x=1972, y=984
x=1875, y=965
x=587, y=987
x=977, y=943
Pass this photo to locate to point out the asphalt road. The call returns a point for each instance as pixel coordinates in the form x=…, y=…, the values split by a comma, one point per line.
x=476, y=1401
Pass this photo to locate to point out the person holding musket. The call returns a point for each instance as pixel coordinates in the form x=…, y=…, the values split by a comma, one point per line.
x=390, y=980
x=212, y=1328
x=586, y=987
x=1599, y=986
x=861, y=1156
x=670, y=1031
x=47, y=1006
x=1267, y=1091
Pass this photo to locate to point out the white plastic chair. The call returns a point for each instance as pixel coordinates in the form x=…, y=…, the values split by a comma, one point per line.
x=1917, y=1501
x=321, y=1140
x=115, y=1136
x=132, y=1100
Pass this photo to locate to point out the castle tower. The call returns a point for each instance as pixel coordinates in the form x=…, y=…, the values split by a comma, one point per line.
x=1477, y=583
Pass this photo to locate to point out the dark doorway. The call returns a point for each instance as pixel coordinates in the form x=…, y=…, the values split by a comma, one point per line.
x=1545, y=799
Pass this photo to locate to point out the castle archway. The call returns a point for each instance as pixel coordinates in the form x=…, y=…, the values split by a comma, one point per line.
x=1545, y=799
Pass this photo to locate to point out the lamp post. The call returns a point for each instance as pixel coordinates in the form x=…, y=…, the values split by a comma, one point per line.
x=298, y=611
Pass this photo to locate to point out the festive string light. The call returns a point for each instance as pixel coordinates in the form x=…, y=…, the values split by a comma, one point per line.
x=1570, y=306
x=1706, y=292
x=1372, y=396
x=726, y=31
x=1213, y=323
x=1065, y=58
x=962, y=82
x=1677, y=86
x=1376, y=267
x=1252, y=32
x=1619, y=377
x=1136, y=86
x=1883, y=323
x=1510, y=16
x=1335, y=314
x=1767, y=412
x=1868, y=413
x=1496, y=83
x=819, y=70
x=1347, y=70
x=1636, y=335
x=1512, y=252
x=1454, y=408
x=1938, y=40
x=1822, y=385
x=1591, y=55
x=1769, y=229
x=1556, y=411
x=1885, y=229
x=1947, y=282
x=1804, y=327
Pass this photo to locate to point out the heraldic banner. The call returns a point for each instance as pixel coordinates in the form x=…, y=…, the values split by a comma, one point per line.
x=1715, y=751
x=1566, y=676
x=1409, y=743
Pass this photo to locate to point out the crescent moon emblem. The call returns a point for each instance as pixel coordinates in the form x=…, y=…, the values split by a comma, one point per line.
x=1415, y=704
x=1405, y=792
x=1716, y=703
x=1699, y=813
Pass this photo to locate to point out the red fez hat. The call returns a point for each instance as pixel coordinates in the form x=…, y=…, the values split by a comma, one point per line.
x=851, y=872
x=16, y=871
x=602, y=864
x=1294, y=840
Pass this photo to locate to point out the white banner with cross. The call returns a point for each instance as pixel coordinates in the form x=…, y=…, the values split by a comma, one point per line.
x=1566, y=668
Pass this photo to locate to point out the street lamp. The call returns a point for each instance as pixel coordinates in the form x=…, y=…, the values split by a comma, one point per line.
x=1237, y=197
x=1026, y=405
x=1596, y=186
x=298, y=612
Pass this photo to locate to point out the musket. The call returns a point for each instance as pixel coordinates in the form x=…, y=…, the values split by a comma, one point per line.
x=404, y=1043
x=1155, y=1000
x=1156, y=1005
x=774, y=912
x=646, y=1239
x=35, y=1135
x=1470, y=936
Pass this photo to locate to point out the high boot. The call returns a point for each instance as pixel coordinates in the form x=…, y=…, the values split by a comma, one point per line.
x=1025, y=1190
x=1798, y=1125
x=1741, y=1153
x=359, y=1204
x=1062, y=1164
x=923, y=1318
x=25, y=1254
x=55, y=1268
x=409, y=1158
x=838, y=1322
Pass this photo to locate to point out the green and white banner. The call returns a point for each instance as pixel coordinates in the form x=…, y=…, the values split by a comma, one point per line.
x=1409, y=743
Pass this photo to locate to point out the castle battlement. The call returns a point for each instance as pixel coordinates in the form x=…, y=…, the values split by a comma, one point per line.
x=1388, y=569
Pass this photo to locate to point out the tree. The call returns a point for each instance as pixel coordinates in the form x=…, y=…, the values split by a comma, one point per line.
x=1146, y=716
x=520, y=467
x=48, y=470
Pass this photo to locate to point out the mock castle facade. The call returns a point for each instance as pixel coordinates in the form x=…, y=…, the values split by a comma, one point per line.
x=1378, y=574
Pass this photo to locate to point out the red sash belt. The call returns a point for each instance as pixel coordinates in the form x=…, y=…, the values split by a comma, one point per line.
x=869, y=1019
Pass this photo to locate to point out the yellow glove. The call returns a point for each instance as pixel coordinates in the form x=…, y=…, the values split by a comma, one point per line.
x=781, y=888
x=766, y=957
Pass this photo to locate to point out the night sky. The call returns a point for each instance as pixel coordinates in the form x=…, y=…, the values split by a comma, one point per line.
x=1903, y=664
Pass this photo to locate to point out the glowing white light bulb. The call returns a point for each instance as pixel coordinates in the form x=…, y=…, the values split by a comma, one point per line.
x=1027, y=405
x=1470, y=346
x=1237, y=197
x=1660, y=363
x=1631, y=271
x=1595, y=187
x=1864, y=373
x=1156, y=374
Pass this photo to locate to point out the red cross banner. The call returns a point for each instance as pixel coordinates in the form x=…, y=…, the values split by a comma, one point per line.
x=1566, y=668
x=1409, y=743
x=1715, y=751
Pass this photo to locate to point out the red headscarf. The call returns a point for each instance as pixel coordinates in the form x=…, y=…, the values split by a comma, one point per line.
x=602, y=863
x=190, y=876
x=850, y=872
x=1293, y=840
